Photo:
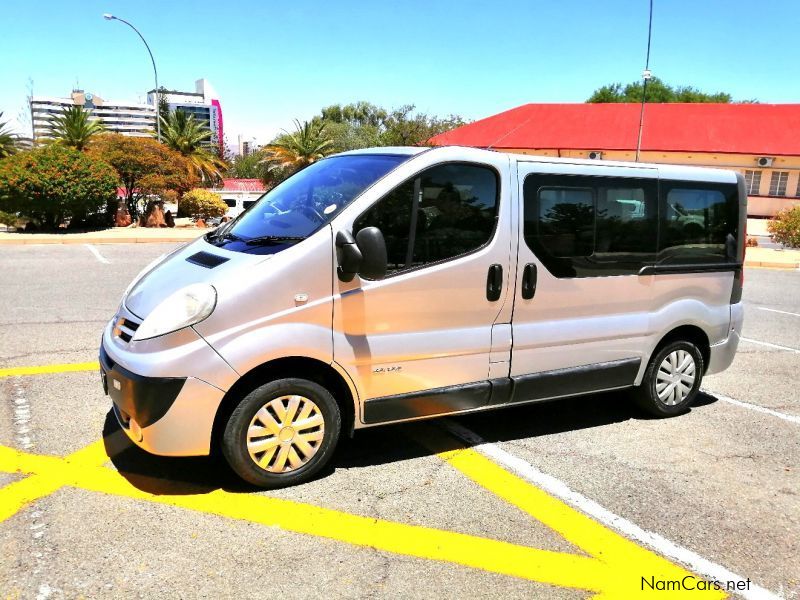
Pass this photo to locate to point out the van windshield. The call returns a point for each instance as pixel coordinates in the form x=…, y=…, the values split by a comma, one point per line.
x=305, y=202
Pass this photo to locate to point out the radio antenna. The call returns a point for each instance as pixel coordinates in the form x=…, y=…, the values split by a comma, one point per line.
x=646, y=75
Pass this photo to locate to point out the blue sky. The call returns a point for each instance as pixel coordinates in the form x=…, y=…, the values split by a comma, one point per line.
x=275, y=61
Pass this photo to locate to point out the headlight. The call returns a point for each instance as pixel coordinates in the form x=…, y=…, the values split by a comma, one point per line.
x=185, y=307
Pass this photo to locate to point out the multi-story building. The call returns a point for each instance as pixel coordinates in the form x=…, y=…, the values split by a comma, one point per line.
x=127, y=118
x=247, y=147
x=203, y=104
x=760, y=141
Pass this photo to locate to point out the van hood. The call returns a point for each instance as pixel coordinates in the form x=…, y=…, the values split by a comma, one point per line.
x=197, y=262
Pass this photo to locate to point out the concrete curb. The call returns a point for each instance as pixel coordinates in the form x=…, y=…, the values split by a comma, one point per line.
x=763, y=264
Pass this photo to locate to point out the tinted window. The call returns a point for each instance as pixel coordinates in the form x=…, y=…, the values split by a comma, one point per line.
x=248, y=203
x=587, y=226
x=444, y=212
x=698, y=222
x=230, y=202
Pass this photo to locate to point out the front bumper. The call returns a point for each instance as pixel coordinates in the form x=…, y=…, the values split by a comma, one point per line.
x=168, y=416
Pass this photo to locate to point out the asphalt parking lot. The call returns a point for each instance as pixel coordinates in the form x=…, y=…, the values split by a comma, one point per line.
x=578, y=498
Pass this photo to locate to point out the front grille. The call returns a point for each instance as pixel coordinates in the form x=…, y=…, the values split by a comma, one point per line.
x=125, y=328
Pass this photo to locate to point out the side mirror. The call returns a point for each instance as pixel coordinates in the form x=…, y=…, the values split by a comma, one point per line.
x=348, y=256
x=372, y=247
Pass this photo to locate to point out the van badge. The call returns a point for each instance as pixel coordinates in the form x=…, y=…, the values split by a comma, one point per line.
x=394, y=369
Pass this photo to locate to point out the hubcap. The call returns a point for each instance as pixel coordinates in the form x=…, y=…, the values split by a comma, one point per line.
x=285, y=434
x=675, y=377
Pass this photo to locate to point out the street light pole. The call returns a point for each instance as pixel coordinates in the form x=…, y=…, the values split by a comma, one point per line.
x=110, y=17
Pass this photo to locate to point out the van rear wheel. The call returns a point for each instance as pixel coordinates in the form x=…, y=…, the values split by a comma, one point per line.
x=672, y=380
x=282, y=433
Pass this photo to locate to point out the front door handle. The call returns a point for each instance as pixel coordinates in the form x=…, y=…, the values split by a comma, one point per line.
x=494, y=283
x=529, y=277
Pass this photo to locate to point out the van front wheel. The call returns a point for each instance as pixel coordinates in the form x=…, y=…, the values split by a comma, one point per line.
x=282, y=433
x=672, y=380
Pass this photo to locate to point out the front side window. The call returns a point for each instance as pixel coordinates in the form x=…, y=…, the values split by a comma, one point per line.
x=305, y=202
x=777, y=183
x=444, y=212
x=699, y=222
x=581, y=226
x=230, y=202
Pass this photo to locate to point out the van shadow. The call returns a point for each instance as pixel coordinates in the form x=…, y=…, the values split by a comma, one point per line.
x=161, y=475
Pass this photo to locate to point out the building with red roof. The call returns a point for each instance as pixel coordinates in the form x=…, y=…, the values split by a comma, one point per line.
x=762, y=141
x=240, y=194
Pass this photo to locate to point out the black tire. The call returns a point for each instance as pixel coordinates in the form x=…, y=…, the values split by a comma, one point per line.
x=646, y=395
x=235, y=438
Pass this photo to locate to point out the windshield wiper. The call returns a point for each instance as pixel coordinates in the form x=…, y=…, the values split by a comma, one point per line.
x=272, y=239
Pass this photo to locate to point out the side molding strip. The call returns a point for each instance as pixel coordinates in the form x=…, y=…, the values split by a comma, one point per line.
x=503, y=391
x=575, y=381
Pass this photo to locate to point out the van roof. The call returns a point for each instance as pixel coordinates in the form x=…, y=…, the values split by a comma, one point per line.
x=666, y=171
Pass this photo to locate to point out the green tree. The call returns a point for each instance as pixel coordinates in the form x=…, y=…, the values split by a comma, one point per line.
x=145, y=167
x=163, y=104
x=203, y=203
x=657, y=91
x=251, y=166
x=785, y=227
x=74, y=128
x=290, y=152
x=52, y=183
x=363, y=125
x=182, y=133
x=8, y=141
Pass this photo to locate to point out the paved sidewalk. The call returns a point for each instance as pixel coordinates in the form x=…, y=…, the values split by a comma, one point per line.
x=117, y=235
x=755, y=257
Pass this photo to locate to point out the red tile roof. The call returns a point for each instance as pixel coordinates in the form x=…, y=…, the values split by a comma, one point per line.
x=762, y=129
x=242, y=185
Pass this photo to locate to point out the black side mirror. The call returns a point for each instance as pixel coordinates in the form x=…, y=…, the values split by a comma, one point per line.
x=372, y=246
x=348, y=256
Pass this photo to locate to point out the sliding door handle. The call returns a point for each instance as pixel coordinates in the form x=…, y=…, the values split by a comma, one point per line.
x=529, y=277
x=494, y=283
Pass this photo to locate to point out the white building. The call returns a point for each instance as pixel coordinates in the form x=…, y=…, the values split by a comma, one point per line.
x=127, y=118
x=203, y=104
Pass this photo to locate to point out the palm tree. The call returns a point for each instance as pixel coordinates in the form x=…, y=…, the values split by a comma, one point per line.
x=74, y=127
x=293, y=151
x=181, y=132
x=8, y=141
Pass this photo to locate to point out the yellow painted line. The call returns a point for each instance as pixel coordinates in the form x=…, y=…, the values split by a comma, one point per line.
x=83, y=470
x=626, y=561
x=44, y=369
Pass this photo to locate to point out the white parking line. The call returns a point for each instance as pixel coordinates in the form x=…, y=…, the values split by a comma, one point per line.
x=767, y=411
x=769, y=345
x=97, y=254
x=775, y=310
x=559, y=489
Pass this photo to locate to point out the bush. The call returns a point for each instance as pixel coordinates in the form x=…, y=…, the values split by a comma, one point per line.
x=202, y=203
x=785, y=227
x=8, y=219
x=53, y=183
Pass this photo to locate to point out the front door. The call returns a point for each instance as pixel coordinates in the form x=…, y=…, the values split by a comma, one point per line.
x=418, y=342
x=581, y=311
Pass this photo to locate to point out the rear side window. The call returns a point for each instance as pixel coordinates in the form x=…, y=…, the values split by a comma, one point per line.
x=583, y=226
x=230, y=202
x=445, y=212
x=699, y=223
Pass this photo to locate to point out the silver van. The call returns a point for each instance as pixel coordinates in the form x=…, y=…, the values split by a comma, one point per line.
x=393, y=284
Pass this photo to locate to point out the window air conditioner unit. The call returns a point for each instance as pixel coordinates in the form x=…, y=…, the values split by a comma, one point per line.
x=764, y=161
x=595, y=155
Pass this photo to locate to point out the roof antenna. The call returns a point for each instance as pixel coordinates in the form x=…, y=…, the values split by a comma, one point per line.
x=646, y=76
